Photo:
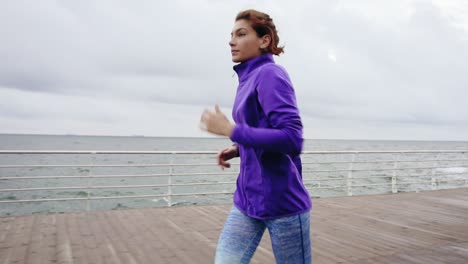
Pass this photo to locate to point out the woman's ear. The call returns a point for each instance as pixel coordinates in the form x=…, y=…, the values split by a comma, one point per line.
x=265, y=42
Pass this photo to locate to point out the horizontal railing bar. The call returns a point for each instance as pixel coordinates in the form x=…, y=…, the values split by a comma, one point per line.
x=229, y=173
x=386, y=161
x=372, y=184
x=413, y=182
x=322, y=180
x=420, y=176
x=372, y=177
x=118, y=176
x=75, y=188
x=78, y=199
x=344, y=178
x=329, y=187
x=82, y=198
x=384, y=151
x=427, y=176
x=193, y=194
x=213, y=164
x=346, y=186
x=112, y=187
x=216, y=152
x=453, y=180
x=208, y=174
x=109, y=197
x=111, y=166
x=212, y=183
x=429, y=181
x=387, y=176
x=165, y=195
x=389, y=169
x=399, y=177
x=163, y=152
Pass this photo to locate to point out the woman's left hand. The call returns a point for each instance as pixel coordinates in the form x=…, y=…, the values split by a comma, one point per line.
x=216, y=122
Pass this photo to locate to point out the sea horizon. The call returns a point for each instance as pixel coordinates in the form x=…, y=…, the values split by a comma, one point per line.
x=219, y=137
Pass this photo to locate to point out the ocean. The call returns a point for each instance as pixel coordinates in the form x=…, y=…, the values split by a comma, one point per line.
x=368, y=178
x=74, y=142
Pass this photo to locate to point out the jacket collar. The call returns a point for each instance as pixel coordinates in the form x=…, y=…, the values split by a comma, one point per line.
x=243, y=69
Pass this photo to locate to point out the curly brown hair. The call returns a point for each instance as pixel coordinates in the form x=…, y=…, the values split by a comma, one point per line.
x=263, y=24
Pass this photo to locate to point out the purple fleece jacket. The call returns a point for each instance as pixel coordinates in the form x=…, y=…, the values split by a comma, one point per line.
x=268, y=132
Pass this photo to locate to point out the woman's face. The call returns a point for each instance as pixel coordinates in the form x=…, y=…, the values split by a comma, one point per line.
x=245, y=44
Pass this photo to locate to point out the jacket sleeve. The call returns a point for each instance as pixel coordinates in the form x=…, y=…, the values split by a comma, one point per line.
x=277, y=99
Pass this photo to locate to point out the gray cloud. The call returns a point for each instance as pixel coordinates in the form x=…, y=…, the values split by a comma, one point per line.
x=416, y=66
x=369, y=62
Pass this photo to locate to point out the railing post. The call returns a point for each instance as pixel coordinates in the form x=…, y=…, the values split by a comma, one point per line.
x=88, y=183
x=169, y=181
x=350, y=175
x=433, y=175
x=394, y=175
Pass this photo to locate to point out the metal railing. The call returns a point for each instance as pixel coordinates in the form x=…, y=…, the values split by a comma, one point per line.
x=325, y=173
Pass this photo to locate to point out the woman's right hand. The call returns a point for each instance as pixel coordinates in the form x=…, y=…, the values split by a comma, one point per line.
x=227, y=154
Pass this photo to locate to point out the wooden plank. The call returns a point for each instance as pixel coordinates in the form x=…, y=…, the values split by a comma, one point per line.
x=10, y=240
x=77, y=244
x=88, y=229
x=47, y=225
x=429, y=227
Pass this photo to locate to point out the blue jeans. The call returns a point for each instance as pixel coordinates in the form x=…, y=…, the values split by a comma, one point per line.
x=290, y=238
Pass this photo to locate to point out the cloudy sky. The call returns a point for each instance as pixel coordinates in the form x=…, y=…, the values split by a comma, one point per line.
x=362, y=69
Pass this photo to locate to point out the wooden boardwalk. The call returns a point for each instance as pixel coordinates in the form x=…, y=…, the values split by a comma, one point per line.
x=429, y=227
